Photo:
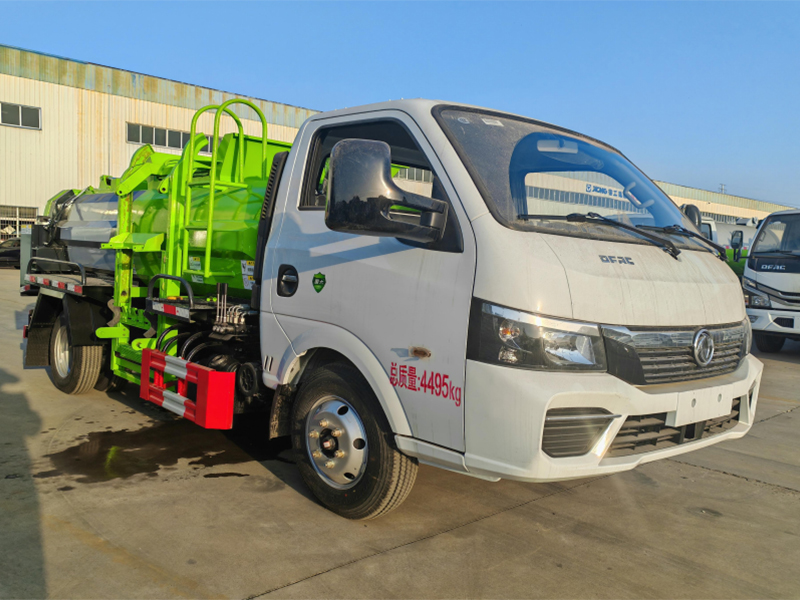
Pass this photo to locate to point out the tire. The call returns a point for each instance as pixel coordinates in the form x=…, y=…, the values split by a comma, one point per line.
x=769, y=343
x=106, y=380
x=73, y=369
x=373, y=477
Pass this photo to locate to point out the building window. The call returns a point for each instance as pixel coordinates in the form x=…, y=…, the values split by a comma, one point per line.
x=16, y=115
x=13, y=219
x=165, y=138
x=413, y=174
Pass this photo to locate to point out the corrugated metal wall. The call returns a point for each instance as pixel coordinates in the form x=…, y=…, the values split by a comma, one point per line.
x=83, y=136
x=706, y=197
x=127, y=84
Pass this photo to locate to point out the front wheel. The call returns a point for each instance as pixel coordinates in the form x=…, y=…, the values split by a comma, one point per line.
x=344, y=448
x=769, y=343
x=73, y=369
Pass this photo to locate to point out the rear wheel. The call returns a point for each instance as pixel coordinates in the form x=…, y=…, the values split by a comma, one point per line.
x=769, y=343
x=73, y=370
x=344, y=448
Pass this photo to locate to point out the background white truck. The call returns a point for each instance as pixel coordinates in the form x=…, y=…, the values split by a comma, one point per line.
x=771, y=281
x=433, y=283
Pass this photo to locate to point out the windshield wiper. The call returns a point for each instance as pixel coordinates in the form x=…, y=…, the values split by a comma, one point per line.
x=680, y=229
x=593, y=217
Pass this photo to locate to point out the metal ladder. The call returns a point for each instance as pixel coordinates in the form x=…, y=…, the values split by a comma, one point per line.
x=213, y=183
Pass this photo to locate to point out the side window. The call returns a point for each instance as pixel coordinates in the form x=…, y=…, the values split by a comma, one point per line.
x=410, y=168
x=411, y=172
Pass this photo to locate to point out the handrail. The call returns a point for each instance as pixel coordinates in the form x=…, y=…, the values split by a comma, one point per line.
x=187, y=199
x=53, y=260
x=152, y=284
x=223, y=108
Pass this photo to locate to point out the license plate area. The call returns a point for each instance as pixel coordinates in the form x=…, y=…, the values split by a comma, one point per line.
x=700, y=405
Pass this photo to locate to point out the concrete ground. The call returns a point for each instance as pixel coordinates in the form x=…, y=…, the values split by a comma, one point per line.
x=108, y=497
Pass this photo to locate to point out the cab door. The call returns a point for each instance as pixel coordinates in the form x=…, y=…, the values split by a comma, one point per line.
x=407, y=302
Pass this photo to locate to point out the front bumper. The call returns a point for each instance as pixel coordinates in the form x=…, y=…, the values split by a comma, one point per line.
x=768, y=320
x=505, y=412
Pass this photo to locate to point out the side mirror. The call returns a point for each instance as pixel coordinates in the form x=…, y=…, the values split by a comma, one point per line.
x=363, y=199
x=691, y=211
x=737, y=241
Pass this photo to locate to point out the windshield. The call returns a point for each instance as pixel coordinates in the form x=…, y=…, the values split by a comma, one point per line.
x=780, y=233
x=532, y=176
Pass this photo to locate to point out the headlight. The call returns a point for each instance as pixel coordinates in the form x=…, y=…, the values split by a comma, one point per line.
x=752, y=298
x=504, y=336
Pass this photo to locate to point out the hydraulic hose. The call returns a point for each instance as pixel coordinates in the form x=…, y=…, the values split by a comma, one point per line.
x=188, y=342
x=173, y=340
x=203, y=346
x=163, y=335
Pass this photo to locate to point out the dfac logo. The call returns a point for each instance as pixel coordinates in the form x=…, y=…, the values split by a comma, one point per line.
x=620, y=260
x=773, y=267
x=703, y=348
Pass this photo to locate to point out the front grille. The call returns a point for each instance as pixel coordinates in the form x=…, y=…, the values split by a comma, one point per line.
x=646, y=433
x=785, y=322
x=662, y=365
x=652, y=356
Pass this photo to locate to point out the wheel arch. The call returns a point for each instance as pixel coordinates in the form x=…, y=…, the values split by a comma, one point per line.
x=324, y=344
x=40, y=324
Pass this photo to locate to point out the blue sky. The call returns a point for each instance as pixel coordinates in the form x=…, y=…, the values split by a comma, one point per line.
x=694, y=93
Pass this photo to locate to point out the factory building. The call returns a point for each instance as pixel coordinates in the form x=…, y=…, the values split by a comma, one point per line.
x=64, y=123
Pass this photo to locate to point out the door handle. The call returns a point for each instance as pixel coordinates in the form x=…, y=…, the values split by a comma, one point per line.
x=288, y=280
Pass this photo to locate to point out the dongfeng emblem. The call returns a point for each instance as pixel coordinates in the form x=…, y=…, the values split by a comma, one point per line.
x=703, y=348
x=318, y=282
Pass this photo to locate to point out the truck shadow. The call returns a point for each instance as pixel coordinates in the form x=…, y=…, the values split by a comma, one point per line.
x=22, y=574
x=156, y=448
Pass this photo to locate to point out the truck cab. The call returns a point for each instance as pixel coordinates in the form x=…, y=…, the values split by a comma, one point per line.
x=771, y=281
x=536, y=338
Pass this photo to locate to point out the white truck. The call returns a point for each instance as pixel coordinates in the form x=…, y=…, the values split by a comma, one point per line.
x=518, y=302
x=771, y=281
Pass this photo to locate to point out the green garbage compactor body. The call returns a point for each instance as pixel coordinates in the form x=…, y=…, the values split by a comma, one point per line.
x=85, y=220
x=233, y=239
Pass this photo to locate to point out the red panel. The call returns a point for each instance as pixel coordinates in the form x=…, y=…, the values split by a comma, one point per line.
x=213, y=407
x=215, y=390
